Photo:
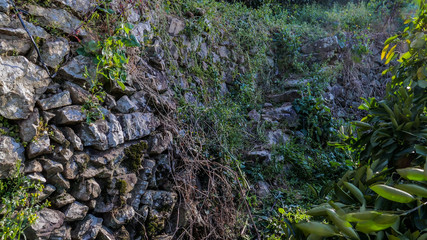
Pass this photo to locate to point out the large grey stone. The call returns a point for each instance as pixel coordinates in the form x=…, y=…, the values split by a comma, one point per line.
x=57, y=18
x=125, y=105
x=48, y=220
x=75, y=141
x=288, y=96
x=5, y=5
x=47, y=191
x=86, y=190
x=81, y=7
x=94, y=134
x=138, y=125
x=62, y=154
x=159, y=200
x=139, y=99
x=33, y=166
x=285, y=113
x=56, y=135
x=78, y=94
x=39, y=146
x=62, y=233
x=129, y=181
x=176, y=27
x=14, y=45
x=322, y=49
x=62, y=199
x=21, y=84
x=70, y=115
x=75, y=69
x=53, y=52
x=118, y=217
x=87, y=229
x=59, y=181
x=56, y=101
x=13, y=37
x=75, y=211
x=71, y=170
x=51, y=167
x=10, y=153
x=28, y=127
x=159, y=142
x=12, y=26
x=115, y=134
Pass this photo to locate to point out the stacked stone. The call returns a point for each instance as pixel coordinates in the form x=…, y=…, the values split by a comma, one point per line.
x=94, y=190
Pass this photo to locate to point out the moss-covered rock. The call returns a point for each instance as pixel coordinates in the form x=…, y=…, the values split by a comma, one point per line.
x=135, y=155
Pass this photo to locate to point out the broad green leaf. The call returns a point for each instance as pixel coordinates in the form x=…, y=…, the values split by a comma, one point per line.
x=415, y=174
x=386, y=218
x=343, y=196
x=281, y=211
x=317, y=228
x=314, y=237
x=423, y=237
x=344, y=226
x=362, y=124
x=413, y=189
x=392, y=193
x=356, y=192
x=361, y=216
x=373, y=226
x=420, y=149
x=317, y=211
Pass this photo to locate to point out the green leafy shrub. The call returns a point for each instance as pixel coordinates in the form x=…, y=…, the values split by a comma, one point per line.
x=386, y=196
x=19, y=205
x=286, y=45
x=110, y=54
x=110, y=58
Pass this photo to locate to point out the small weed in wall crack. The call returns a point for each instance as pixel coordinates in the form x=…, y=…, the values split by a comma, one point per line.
x=20, y=203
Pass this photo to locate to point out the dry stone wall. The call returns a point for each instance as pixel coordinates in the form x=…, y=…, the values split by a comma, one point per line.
x=107, y=179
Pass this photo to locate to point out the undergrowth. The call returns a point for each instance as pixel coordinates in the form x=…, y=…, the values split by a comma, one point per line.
x=268, y=38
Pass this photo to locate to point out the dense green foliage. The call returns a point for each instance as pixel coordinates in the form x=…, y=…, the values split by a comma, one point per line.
x=386, y=196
